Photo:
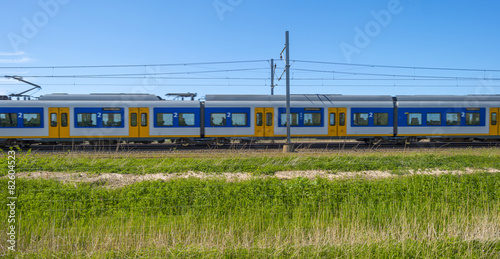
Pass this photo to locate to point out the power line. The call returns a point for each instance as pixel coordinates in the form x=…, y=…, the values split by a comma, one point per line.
x=140, y=65
x=400, y=75
x=152, y=74
x=150, y=77
x=400, y=67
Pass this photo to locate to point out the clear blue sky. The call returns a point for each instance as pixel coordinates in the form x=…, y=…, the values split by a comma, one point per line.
x=413, y=33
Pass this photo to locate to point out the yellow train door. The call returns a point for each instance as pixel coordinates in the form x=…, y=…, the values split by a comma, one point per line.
x=133, y=128
x=144, y=122
x=64, y=118
x=269, y=122
x=342, y=121
x=264, y=122
x=332, y=122
x=58, y=122
x=259, y=122
x=494, y=125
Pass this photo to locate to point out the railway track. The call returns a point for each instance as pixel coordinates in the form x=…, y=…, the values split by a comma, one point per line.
x=259, y=146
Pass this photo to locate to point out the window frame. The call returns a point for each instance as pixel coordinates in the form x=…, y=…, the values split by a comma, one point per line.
x=467, y=121
x=408, y=120
x=144, y=119
x=133, y=119
x=269, y=119
x=181, y=116
x=458, y=118
x=223, y=122
x=64, y=119
x=238, y=114
x=357, y=115
x=433, y=113
x=39, y=117
x=312, y=119
x=92, y=116
x=331, y=118
x=259, y=119
x=9, y=117
x=113, y=126
x=342, y=116
x=163, y=117
x=292, y=114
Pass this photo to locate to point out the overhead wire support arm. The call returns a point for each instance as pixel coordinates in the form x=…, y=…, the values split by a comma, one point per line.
x=22, y=94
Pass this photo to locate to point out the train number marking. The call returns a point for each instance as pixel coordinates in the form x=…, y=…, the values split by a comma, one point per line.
x=99, y=115
x=175, y=114
x=19, y=114
x=229, y=115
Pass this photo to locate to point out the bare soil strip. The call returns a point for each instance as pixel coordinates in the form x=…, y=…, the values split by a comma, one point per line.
x=115, y=180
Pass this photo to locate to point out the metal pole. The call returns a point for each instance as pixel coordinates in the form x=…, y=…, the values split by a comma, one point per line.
x=288, y=119
x=272, y=76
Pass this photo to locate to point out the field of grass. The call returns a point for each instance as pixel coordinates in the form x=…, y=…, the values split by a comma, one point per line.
x=419, y=216
x=258, y=163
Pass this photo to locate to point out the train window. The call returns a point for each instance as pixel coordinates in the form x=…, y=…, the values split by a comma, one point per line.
x=86, y=119
x=269, y=119
x=295, y=119
x=381, y=119
x=111, y=120
x=415, y=119
x=360, y=119
x=31, y=120
x=133, y=119
x=144, y=119
x=53, y=119
x=8, y=120
x=494, y=118
x=239, y=119
x=453, y=118
x=472, y=118
x=332, y=119
x=164, y=119
x=218, y=119
x=64, y=119
x=312, y=119
x=341, y=119
x=434, y=118
x=258, y=119
x=186, y=119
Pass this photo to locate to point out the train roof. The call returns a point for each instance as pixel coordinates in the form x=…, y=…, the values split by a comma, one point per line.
x=298, y=98
x=99, y=97
x=449, y=98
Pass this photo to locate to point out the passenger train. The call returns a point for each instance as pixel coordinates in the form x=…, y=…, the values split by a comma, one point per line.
x=75, y=118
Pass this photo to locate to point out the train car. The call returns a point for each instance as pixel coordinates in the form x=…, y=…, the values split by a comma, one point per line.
x=470, y=117
x=76, y=118
x=313, y=116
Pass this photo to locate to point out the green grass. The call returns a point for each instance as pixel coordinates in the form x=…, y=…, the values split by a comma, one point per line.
x=398, y=162
x=447, y=216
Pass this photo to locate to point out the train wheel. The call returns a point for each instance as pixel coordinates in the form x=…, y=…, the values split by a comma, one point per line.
x=183, y=141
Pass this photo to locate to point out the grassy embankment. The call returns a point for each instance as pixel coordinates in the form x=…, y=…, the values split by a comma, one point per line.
x=420, y=216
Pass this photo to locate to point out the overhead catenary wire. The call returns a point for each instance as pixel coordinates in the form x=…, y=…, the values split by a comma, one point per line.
x=393, y=76
x=138, y=65
x=399, y=67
